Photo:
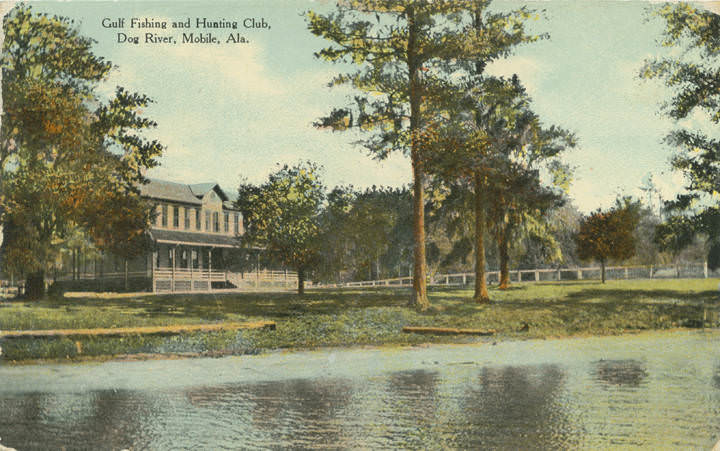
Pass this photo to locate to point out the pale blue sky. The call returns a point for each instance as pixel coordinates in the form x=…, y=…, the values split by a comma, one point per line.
x=226, y=111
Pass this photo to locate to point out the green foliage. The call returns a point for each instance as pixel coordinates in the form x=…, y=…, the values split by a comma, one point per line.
x=492, y=143
x=284, y=215
x=68, y=160
x=405, y=53
x=366, y=234
x=692, y=78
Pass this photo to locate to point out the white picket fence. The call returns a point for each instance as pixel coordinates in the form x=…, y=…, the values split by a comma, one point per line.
x=691, y=270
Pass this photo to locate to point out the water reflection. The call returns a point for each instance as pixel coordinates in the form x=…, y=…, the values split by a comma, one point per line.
x=654, y=397
x=516, y=408
x=410, y=403
x=625, y=373
x=69, y=421
x=295, y=412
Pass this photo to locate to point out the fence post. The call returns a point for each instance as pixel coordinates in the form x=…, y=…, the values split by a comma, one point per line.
x=464, y=279
x=651, y=271
x=705, y=269
x=537, y=276
x=579, y=274
x=626, y=273
x=558, y=274
x=447, y=280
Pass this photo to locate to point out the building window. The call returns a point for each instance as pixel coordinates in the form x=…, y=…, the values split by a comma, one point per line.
x=207, y=221
x=156, y=217
x=195, y=261
x=187, y=218
x=227, y=223
x=164, y=215
x=176, y=217
x=198, y=224
x=216, y=222
x=237, y=223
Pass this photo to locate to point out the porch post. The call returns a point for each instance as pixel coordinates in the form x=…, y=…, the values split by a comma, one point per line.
x=172, y=279
x=152, y=269
x=210, y=269
x=192, y=263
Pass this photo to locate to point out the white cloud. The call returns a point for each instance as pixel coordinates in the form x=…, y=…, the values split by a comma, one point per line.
x=529, y=70
x=239, y=65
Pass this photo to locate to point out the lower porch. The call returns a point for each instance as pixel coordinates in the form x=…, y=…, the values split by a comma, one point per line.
x=179, y=268
x=173, y=262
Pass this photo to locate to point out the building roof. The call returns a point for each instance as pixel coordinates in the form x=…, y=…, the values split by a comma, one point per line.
x=162, y=189
x=200, y=189
x=193, y=238
x=181, y=192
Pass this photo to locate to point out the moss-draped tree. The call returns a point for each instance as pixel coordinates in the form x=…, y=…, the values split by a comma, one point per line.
x=693, y=77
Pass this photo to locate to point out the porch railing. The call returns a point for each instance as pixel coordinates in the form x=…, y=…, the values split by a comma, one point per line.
x=183, y=279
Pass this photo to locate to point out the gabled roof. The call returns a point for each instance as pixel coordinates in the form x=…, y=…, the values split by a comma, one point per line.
x=201, y=189
x=162, y=189
x=181, y=192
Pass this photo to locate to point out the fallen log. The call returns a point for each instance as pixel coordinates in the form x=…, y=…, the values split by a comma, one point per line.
x=120, y=331
x=447, y=331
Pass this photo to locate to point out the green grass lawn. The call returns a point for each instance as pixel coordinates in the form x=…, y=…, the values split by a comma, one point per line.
x=360, y=317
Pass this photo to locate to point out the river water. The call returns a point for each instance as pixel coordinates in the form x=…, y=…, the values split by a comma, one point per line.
x=651, y=391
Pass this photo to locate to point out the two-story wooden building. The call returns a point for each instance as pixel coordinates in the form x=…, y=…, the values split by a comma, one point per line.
x=192, y=245
x=195, y=229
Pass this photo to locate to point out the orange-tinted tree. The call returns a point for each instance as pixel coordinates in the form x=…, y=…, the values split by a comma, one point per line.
x=69, y=159
x=608, y=235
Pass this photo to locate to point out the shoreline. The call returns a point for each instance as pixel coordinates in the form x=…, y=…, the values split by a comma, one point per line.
x=344, y=320
x=142, y=357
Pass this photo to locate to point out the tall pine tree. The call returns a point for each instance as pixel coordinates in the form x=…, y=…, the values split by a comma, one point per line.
x=404, y=53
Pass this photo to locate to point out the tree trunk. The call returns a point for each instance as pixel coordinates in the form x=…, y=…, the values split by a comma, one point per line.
x=301, y=281
x=602, y=270
x=481, y=292
x=35, y=285
x=419, y=298
x=504, y=254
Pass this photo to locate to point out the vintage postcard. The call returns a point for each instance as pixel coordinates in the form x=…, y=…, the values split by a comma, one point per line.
x=359, y=224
